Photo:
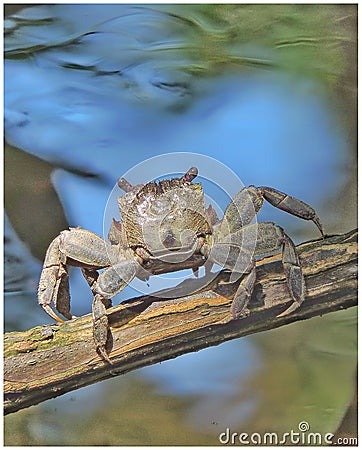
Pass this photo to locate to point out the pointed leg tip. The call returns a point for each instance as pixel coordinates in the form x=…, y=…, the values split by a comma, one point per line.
x=320, y=227
x=289, y=310
x=239, y=314
x=52, y=314
x=101, y=350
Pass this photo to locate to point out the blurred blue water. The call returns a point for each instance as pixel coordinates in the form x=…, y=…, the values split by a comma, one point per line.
x=121, y=93
x=21, y=274
x=268, y=129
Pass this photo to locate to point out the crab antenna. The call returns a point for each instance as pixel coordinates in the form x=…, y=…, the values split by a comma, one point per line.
x=124, y=185
x=190, y=174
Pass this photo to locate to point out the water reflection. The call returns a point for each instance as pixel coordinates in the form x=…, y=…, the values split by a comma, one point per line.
x=21, y=273
x=95, y=89
x=216, y=377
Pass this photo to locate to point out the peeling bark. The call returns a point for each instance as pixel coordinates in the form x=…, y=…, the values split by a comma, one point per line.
x=48, y=361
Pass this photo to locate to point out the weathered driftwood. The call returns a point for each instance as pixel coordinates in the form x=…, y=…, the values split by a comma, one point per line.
x=48, y=361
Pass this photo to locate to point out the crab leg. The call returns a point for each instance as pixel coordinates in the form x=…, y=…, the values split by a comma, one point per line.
x=241, y=211
x=53, y=284
x=270, y=238
x=291, y=205
x=91, y=276
x=236, y=253
x=75, y=247
x=105, y=286
x=99, y=314
x=100, y=326
x=82, y=248
x=293, y=273
x=247, y=203
x=244, y=293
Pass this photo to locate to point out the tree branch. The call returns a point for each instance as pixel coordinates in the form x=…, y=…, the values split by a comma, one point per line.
x=48, y=361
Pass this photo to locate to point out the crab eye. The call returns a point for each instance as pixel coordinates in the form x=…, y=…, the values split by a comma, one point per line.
x=124, y=185
x=190, y=174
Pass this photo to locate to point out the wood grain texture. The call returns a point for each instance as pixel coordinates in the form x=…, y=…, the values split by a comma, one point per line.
x=48, y=361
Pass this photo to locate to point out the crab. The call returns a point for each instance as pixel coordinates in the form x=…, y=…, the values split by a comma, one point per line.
x=165, y=227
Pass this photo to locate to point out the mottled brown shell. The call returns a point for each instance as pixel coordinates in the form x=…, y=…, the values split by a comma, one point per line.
x=156, y=216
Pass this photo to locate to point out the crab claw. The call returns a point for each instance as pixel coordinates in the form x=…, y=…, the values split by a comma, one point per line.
x=53, y=284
